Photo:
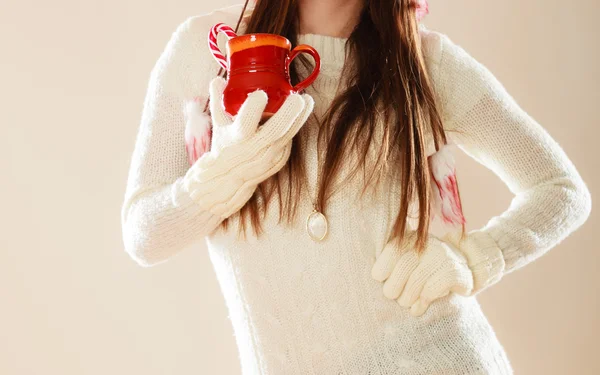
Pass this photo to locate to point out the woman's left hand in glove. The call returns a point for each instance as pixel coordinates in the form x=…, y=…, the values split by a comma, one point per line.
x=415, y=280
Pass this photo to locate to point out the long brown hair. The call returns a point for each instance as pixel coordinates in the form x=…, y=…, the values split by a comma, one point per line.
x=387, y=83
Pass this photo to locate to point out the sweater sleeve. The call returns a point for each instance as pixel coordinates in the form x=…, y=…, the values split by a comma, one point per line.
x=158, y=217
x=550, y=198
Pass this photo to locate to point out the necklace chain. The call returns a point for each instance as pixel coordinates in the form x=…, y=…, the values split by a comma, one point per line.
x=310, y=196
x=316, y=222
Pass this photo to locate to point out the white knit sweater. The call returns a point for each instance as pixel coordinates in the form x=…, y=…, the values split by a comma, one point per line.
x=302, y=307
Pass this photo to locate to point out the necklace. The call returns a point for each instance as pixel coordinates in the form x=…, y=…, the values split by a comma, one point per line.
x=316, y=222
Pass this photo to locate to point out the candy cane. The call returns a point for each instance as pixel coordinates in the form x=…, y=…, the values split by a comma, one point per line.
x=212, y=42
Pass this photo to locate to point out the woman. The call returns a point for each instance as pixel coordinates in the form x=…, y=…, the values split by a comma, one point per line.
x=375, y=292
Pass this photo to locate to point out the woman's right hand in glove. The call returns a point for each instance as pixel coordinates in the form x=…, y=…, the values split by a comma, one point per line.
x=242, y=154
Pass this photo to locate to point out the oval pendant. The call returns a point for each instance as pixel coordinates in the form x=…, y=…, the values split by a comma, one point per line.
x=316, y=225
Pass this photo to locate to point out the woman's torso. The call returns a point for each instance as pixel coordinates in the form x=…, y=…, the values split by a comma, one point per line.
x=303, y=307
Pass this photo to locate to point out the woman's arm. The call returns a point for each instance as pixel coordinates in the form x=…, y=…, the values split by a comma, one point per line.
x=550, y=198
x=158, y=216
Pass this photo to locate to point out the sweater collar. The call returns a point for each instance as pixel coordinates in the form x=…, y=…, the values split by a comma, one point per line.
x=331, y=50
x=332, y=53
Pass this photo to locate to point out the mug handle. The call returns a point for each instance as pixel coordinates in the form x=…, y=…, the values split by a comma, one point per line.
x=304, y=48
x=212, y=42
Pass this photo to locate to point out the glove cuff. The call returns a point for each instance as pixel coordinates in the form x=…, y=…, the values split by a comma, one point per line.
x=484, y=257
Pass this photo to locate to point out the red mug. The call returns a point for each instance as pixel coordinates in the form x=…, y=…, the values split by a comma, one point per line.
x=258, y=61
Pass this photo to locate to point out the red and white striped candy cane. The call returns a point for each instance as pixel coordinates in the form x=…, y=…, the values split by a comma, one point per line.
x=212, y=42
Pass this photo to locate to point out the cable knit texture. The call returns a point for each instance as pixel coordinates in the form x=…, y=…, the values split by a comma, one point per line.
x=304, y=307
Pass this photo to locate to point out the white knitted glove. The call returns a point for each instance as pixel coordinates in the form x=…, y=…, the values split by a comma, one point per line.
x=483, y=255
x=242, y=153
x=414, y=280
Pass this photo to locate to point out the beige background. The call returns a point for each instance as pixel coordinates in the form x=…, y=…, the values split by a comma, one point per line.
x=73, y=75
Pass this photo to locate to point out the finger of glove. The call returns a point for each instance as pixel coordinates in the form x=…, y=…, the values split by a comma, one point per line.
x=455, y=272
x=419, y=307
x=462, y=289
x=281, y=121
x=437, y=286
x=299, y=121
x=394, y=285
x=414, y=286
x=219, y=116
x=386, y=261
x=250, y=113
x=392, y=251
x=464, y=281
